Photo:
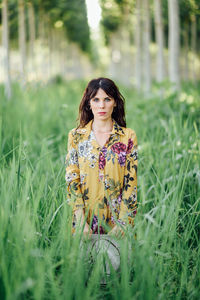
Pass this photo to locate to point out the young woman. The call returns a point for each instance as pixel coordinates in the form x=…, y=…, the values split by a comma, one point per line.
x=101, y=163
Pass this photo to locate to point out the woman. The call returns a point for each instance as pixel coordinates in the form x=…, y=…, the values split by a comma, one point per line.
x=101, y=163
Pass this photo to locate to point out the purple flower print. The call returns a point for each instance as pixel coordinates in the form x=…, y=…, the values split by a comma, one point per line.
x=104, y=151
x=102, y=161
x=94, y=226
x=118, y=220
x=118, y=147
x=122, y=159
x=130, y=145
x=119, y=198
x=94, y=223
x=121, y=222
x=100, y=176
x=112, y=219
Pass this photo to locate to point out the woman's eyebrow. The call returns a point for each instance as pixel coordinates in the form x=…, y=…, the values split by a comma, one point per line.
x=104, y=98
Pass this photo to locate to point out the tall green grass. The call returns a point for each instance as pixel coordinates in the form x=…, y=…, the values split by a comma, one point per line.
x=38, y=257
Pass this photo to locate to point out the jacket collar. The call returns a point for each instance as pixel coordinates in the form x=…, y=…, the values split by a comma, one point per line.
x=117, y=129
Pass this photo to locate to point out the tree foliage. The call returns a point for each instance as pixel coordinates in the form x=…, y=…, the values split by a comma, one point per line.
x=114, y=14
x=73, y=14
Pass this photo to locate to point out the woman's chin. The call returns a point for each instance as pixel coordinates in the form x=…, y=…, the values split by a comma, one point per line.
x=102, y=117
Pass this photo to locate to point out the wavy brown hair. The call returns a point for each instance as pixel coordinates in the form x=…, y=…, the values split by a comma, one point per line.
x=110, y=88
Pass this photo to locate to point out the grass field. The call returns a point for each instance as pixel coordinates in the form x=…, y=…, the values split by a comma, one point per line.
x=38, y=258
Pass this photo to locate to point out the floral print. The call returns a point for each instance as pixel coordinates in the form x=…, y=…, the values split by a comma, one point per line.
x=102, y=180
x=122, y=159
x=95, y=226
x=102, y=161
x=119, y=148
x=84, y=149
x=130, y=145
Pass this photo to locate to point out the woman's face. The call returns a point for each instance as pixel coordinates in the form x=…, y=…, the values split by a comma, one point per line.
x=102, y=105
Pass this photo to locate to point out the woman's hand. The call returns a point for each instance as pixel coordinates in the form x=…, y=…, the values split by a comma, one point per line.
x=87, y=230
x=80, y=219
x=116, y=231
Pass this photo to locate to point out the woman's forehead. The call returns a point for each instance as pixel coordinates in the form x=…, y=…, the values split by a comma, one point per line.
x=101, y=93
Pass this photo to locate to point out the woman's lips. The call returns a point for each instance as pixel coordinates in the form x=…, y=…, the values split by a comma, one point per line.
x=102, y=113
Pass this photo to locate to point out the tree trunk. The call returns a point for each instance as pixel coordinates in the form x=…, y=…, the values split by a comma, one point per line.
x=115, y=56
x=125, y=67
x=137, y=34
x=186, y=50
x=22, y=41
x=146, y=47
x=174, y=43
x=160, y=64
x=5, y=44
x=193, y=45
x=31, y=21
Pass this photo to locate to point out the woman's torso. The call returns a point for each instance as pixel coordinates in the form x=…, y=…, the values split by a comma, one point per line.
x=101, y=173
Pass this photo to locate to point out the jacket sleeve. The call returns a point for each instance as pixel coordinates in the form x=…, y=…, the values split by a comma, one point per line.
x=72, y=175
x=129, y=194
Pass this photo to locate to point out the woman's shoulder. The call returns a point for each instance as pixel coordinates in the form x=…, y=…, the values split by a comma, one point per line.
x=72, y=132
x=75, y=135
x=129, y=132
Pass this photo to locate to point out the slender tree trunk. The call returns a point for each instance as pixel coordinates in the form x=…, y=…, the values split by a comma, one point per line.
x=193, y=45
x=5, y=44
x=160, y=64
x=137, y=34
x=50, y=46
x=186, y=50
x=174, y=42
x=22, y=41
x=125, y=46
x=124, y=43
x=31, y=21
x=146, y=47
x=115, y=56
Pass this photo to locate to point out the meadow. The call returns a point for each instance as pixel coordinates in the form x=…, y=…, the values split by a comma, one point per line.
x=38, y=257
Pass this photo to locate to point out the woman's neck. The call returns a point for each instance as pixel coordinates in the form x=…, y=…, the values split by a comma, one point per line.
x=102, y=126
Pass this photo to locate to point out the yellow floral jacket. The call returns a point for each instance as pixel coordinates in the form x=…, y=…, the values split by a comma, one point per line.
x=102, y=180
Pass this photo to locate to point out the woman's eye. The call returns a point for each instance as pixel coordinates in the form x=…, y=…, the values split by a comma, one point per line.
x=107, y=99
x=95, y=99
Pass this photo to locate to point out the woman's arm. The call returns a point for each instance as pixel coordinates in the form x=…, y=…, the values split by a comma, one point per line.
x=129, y=195
x=72, y=177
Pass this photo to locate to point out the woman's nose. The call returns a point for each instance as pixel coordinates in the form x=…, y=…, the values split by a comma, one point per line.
x=101, y=104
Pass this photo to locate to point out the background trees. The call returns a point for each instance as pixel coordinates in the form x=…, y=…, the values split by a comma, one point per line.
x=144, y=41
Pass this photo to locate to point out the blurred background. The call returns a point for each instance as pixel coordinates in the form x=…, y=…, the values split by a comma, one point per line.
x=134, y=42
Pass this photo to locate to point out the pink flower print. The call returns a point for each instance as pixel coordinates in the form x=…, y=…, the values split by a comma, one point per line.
x=118, y=147
x=102, y=161
x=122, y=147
x=130, y=145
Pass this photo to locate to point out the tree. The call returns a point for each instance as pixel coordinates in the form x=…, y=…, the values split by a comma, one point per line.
x=146, y=46
x=138, y=45
x=174, y=43
x=160, y=65
x=5, y=44
x=31, y=22
x=22, y=40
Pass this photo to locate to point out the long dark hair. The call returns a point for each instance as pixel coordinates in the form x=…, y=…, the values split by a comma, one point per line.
x=110, y=88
